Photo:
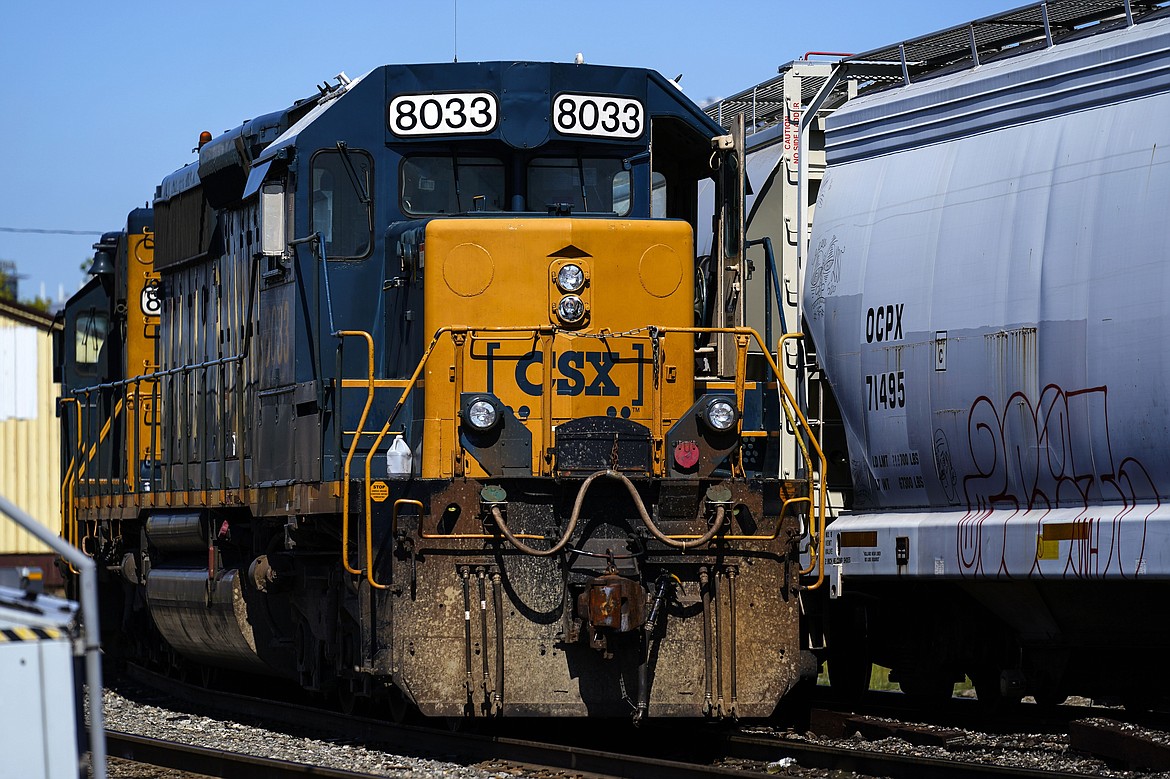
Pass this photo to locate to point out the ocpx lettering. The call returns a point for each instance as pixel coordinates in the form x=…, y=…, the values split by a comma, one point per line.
x=884, y=323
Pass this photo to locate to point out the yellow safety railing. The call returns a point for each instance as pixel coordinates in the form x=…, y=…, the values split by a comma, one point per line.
x=132, y=393
x=815, y=463
x=68, y=508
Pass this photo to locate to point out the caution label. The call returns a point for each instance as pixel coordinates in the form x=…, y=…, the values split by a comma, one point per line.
x=379, y=491
x=28, y=634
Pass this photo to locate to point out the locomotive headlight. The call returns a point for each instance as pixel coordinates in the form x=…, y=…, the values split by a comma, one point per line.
x=570, y=278
x=571, y=309
x=720, y=414
x=481, y=414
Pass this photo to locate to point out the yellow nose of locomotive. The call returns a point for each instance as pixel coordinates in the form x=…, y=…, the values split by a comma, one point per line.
x=565, y=312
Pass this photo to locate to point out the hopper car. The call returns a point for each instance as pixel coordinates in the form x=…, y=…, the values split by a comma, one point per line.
x=985, y=290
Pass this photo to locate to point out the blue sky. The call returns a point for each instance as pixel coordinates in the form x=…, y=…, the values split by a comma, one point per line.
x=101, y=100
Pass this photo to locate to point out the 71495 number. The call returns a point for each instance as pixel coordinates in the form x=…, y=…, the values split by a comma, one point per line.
x=885, y=391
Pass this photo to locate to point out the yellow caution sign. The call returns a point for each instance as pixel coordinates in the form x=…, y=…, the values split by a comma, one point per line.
x=379, y=491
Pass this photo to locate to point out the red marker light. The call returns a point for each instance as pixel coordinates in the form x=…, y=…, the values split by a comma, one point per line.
x=686, y=454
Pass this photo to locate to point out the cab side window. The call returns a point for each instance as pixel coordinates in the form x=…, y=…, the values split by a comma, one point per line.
x=621, y=194
x=342, y=202
x=89, y=338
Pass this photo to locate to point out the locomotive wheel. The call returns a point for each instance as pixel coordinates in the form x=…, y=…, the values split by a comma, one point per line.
x=989, y=689
x=1049, y=698
x=207, y=676
x=400, y=707
x=927, y=688
x=348, y=700
x=849, y=673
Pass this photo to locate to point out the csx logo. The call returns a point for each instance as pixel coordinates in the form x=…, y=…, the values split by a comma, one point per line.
x=589, y=373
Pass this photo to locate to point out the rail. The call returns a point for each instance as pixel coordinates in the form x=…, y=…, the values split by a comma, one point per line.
x=544, y=336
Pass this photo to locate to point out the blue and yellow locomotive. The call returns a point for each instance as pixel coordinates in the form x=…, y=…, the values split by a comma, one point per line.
x=404, y=392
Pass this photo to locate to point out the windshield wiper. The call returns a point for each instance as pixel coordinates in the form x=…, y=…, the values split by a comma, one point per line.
x=581, y=178
x=354, y=179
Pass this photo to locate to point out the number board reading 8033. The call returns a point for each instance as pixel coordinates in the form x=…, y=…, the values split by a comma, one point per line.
x=444, y=113
x=598, y=115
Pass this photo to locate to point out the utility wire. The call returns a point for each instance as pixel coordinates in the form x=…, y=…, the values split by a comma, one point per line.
x=40, y=231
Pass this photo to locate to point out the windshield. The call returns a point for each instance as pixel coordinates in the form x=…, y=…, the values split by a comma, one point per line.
x=452, y=185
x=586, y=184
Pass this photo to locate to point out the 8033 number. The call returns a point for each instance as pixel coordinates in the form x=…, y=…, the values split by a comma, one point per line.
x=450, y=113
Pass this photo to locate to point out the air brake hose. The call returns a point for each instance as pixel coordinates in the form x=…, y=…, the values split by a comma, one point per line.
x=665, y=582
x=498, y=515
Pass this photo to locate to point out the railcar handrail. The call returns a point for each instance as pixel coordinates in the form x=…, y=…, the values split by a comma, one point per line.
x=819, y=564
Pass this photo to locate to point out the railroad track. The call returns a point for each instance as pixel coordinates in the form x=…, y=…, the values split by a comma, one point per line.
x=1137, y=741
x=649, y=753
x=214, y=762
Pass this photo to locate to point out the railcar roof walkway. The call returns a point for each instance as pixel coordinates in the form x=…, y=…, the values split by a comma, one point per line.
x=991, y=38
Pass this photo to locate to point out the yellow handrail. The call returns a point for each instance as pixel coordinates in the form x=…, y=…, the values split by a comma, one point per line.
x=68, y=509
x=105, y=431
x=93, y=450
x=374, y=447
x=816, y=466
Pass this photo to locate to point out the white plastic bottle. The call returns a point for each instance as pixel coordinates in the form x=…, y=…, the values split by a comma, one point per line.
x=398, y=459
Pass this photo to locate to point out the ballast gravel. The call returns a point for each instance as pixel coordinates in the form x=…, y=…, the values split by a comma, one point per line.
x=1043, y=751
x=144, y=719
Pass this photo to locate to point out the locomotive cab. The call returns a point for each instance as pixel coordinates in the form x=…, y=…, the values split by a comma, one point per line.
x=86, y=354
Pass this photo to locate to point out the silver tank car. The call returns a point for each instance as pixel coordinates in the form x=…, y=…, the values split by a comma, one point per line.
x=986, y=289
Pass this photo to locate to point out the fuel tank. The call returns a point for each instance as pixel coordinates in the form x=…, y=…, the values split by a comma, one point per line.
x=986, y=289
x=204, y=620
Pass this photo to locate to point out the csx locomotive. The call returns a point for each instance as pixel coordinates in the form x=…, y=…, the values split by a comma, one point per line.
x=417, y=391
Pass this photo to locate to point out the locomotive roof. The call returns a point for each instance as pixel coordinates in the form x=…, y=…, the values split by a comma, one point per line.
x=513, y=83
x=662, y=97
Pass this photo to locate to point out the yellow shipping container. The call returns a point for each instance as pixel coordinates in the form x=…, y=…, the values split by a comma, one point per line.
x=29, y=446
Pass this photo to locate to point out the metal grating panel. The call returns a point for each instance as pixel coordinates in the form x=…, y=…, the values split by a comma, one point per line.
x=1007, y=34
x=995, y=37
x=763, y=104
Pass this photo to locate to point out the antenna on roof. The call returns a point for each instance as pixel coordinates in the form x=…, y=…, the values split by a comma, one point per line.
x=455, y=30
